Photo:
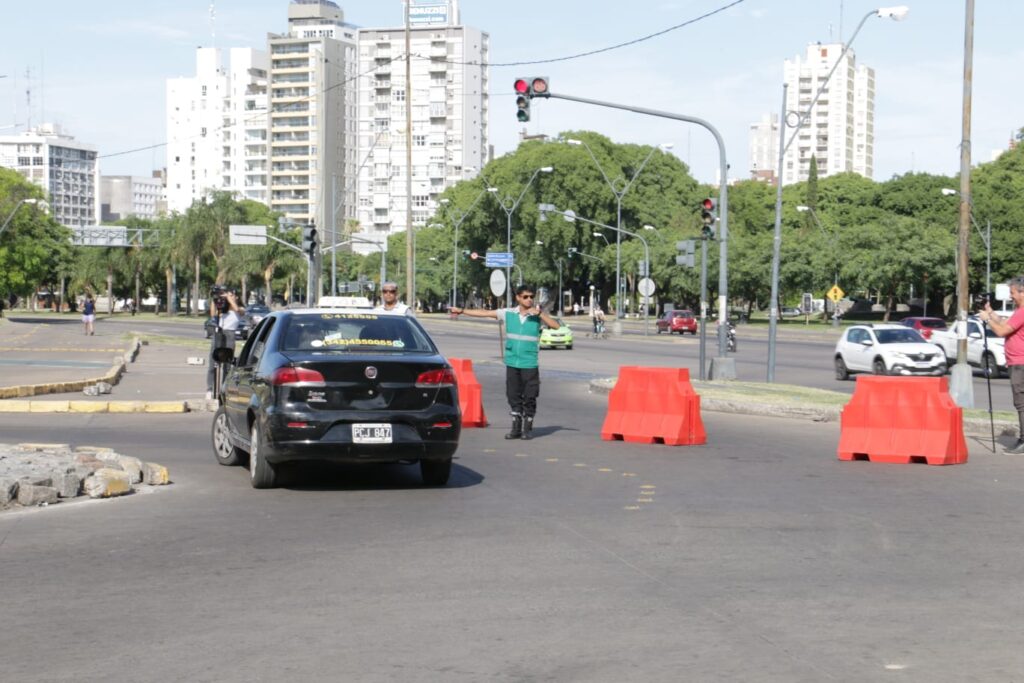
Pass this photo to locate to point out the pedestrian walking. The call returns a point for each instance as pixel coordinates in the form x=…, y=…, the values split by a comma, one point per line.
x=1012, y=329
x=522, y=343
x=389, y=300
x=89, y=315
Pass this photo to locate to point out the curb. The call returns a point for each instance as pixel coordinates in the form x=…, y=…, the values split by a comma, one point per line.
x=112, y=377
x=972, y=426
x=165, y=407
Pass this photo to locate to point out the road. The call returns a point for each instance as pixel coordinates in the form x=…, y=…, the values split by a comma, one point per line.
x=756, y=557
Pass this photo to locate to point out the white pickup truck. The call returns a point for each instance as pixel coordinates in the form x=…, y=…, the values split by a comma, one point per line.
x=985, y=349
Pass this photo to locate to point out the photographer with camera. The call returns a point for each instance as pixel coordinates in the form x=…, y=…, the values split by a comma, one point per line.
x=1012, y=329
x=227, y=318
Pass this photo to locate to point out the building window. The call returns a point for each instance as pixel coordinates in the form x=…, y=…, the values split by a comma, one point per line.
x=419, y=140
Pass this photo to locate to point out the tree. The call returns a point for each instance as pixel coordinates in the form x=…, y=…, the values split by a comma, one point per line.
x=34, y=247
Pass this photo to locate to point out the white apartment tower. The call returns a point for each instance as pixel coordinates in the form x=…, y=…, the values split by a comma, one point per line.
x=66, y=169
x=840, y=131
x=217, y=128
x=122, y=196
x=449, y=101
x=313, y=116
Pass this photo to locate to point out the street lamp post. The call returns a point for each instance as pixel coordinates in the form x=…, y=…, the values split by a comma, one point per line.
x=601, y=235
x=559, y=261
x=619, y=187
x=27, y=200
x=894, y=13
x=509, y=208
x=571, y=216
x=455, y=246
x=833, y=240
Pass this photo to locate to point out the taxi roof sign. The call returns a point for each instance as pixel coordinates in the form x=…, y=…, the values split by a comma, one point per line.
x=344, y=302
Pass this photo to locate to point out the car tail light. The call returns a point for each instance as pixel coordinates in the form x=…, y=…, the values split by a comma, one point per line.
x=442, y=425
x=926, y=333
x=442, y=377
x=288, y=375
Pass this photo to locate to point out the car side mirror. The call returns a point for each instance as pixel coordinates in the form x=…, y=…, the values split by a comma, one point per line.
x=974, y=334
x=224, y=354
x=867, y=342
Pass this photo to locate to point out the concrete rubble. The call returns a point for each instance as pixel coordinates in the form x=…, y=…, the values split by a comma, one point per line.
x=39, y=474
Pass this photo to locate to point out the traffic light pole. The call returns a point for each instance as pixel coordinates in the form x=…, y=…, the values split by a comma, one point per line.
x=722, y=367
x=703, y=306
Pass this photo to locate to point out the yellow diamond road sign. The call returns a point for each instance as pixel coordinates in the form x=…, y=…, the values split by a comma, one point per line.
x=835, y=294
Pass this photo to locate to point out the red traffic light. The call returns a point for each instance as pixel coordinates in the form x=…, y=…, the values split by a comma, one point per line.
x=522, y=86
x=709, y=204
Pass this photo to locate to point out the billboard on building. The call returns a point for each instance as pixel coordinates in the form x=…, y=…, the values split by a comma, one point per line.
x=428, y=12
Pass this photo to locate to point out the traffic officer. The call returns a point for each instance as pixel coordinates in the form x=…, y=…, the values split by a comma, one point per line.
x=522, y=343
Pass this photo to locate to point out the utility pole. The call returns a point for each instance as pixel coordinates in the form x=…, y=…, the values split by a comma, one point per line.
x=410, y=246
x=961, y=385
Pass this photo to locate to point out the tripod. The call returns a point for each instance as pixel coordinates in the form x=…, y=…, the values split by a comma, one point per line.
x=989, y=366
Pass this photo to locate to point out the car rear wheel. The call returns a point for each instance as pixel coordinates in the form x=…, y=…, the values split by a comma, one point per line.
x=879, y=367
x=225, y=453
x=263, y=475
x=988, y=364
x=436, y=472
x=842, y=372
x=568, y=347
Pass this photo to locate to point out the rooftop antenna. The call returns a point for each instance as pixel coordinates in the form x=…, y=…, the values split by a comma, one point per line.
x=840, y=21
x=28, y=98
x=213, y=24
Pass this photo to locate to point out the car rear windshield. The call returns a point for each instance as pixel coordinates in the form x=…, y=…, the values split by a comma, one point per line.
x=898, y=336
x=932, y=324
x=355, y=332
x=683, y=314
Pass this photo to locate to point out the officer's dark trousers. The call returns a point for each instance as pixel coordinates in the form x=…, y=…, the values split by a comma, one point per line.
x=522, y=386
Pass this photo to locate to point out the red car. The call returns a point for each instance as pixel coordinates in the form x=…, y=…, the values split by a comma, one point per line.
x=924, y=325
x=677, y=322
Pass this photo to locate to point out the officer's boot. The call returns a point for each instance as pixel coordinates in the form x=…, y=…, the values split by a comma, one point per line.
x=517, y=427
x=527, y=428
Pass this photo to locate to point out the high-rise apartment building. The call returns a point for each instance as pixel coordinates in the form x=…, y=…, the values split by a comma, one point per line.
x=217, y=128
x=448, y=97
x=122, y=196
x=66, y=169
x=764, y=148
x=840, y=132
x=313, y=115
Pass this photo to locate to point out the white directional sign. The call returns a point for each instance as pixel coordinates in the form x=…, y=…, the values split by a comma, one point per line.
x=497, y=282
x=248, y=234
x=645, y=287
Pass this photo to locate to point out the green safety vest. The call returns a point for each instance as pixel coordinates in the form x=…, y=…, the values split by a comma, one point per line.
x=522, y=340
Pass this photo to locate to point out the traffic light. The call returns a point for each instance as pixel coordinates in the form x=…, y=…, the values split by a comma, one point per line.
x=571, y=251
x=526, y=89
x=709, y=214
x=686, y=249
x=310, y=244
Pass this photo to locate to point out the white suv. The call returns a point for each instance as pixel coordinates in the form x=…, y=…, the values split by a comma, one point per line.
x=887, y=350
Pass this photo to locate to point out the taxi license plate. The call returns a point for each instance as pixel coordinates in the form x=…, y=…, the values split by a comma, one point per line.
x=371, y=433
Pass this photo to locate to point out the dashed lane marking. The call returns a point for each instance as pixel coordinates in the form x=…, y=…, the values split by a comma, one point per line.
x=647, y=487
x=645, y=500
x=550, y=459
x=629, y=474
x=605, y=469
x=631, y=507
x=579, y=464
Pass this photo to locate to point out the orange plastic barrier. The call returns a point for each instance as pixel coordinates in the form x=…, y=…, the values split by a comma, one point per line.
x=654, y=405
x=903, y=420
x=470, y=396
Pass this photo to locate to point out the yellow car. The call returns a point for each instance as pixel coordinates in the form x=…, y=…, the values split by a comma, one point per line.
x=550, y=338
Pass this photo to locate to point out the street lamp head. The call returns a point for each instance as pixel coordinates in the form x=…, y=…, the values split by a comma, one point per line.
x=596, y=234
x=435, y=225
x=492, y=190
x=539, y=242
x=802, y=208
x=574, y=142
x=949, y=192
x=650, y=227
x=547, y=169
x=444, y=201
x=898, y=13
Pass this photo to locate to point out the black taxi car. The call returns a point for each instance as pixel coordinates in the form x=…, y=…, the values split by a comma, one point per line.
x=338, y=385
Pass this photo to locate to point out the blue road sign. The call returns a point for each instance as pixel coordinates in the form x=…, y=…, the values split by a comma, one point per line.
x=500, y=259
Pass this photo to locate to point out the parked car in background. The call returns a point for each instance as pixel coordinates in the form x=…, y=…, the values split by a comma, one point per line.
x=924, y=325
x=338, y=385
x=887, y=349
x=677, y=322
x=791, y=312
x=985, y=349
x=254, y=314
x=550, y=338
x=210, y=326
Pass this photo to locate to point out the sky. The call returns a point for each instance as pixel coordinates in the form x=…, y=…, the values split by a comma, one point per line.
x=99, y=69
